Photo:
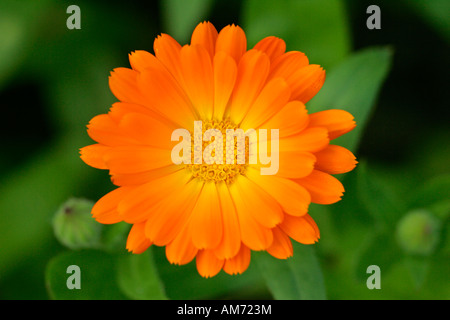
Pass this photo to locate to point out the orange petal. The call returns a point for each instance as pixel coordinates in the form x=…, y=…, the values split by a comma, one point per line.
x=295, y=164
x=123, y=84
x=291, y=198
x=272, y=99
x=142, y=200
x=272, y=46
x=167, y=96
x=167, y=50
x=286, y=64
x=239, y=263
x=262, y=205
x=225, y=73
x=302, y=229
x=310, y=140
x=181, y=250
x=335, y=159
x=232, y=41
x=121, y=109
x=208, y=265
x=306, y=82
x=281, y=247
x=105, y=130
x=290, y=120
x=206, y=220
x=231, y=240
x=93, y=155
x=253, y=69
x=136, y=241
x=205, y=34
x=105, y=210
x=147, y=130
x=134, y=179
x=253, y=234
x=134, y=159
x=324, y=188
x=141, y=59
x=172, y=213
x=198, y=78
x=337, y=122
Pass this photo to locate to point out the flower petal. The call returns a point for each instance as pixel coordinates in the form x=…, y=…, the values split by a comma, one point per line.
x=167, y=50
x=231, y=240
x=225, y=73
x=105, y=209
x=123, y=84
x=302, y=229
x=310, y=140
x=306, y=82
x=134, y=159
x=337, y=122
x=205, y=34
x=93, y=155
x=173, y=213
x=273, y=97
x=181, y=250
x=239, y=263
x=335, y=160
x=286, y=64
x=292, y=198
x=324, y=188
x=295, y=164
x=232, y=41
x=136, y=241
x=167, y=96
x=281, y=247
x=198, y=78
x=206, y=220
x=208, y=265
x=290, y=120
x=272, y=46
x=253, y=69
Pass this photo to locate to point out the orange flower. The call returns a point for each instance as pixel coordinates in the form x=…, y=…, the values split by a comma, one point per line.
x=217, y=213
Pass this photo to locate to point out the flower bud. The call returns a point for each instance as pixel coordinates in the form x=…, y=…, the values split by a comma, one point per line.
x=418, y=232
x=74, y=226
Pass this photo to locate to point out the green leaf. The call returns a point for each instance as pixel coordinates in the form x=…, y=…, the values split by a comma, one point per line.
x=318, y=28
x=97, y=276
x=299, y=277
x=138, y=277
x=434, y=193
x=354, y=86
x=380, y=249
x=180, y=17
x=379, y=199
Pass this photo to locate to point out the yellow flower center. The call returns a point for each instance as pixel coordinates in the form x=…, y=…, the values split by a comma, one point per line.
x=217, y=172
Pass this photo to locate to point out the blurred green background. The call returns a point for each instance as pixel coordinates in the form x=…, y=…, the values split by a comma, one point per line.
x=395, y=213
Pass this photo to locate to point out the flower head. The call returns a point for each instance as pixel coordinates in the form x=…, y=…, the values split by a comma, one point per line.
x=219, y=209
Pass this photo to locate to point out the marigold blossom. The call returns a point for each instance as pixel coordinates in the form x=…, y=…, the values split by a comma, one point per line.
x=217, y=213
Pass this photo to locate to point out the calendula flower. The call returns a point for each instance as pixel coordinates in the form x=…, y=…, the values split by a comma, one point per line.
x=217, y=211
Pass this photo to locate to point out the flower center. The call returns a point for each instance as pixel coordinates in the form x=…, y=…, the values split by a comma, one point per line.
x=217, y=172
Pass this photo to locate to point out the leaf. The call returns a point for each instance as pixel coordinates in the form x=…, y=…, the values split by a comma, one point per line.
x=138, y=278
x=354, y=86
x=298, y=277
x=181, y=16
x=97, y=274
x=318, y=28
x=379, y=199
x=380, y=250
x=435, y=192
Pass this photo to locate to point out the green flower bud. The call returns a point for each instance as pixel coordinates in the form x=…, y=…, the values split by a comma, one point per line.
x=74, y=226
x=418, y=232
